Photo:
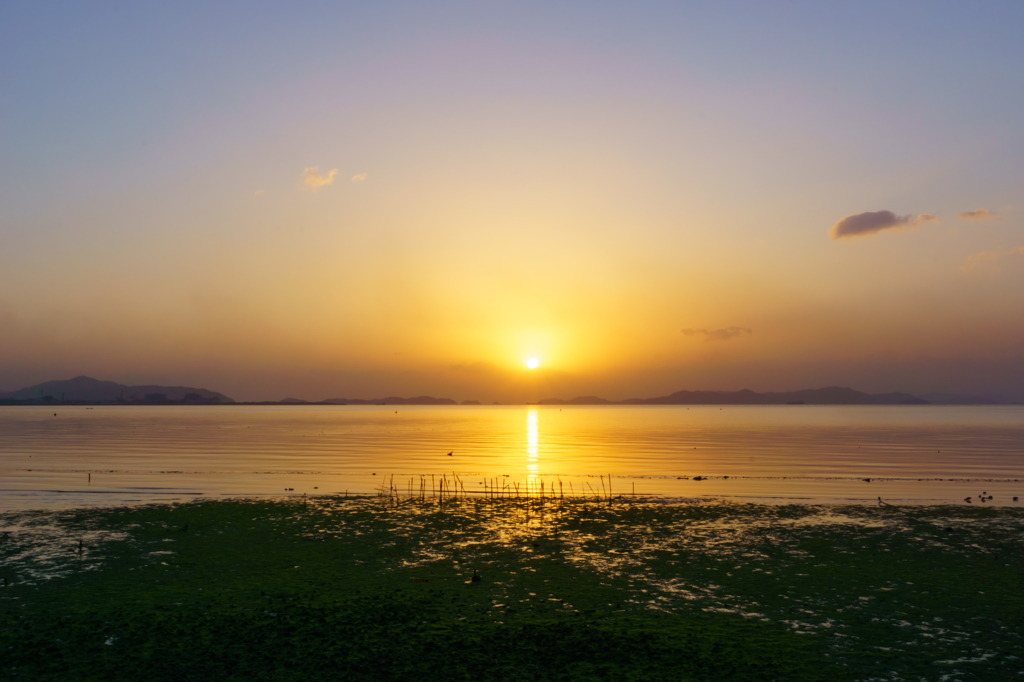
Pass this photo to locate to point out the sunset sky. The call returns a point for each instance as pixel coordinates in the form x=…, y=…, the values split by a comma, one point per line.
x=327, y=200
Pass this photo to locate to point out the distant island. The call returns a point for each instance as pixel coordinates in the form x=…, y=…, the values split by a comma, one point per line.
x=819, y=396
x=832, y=395
x=421, y=400
x=84, y=390
x=88, y=391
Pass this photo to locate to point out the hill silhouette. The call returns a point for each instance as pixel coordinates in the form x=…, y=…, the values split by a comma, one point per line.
x=832, y=395
x=420, y=400
x=83, y=389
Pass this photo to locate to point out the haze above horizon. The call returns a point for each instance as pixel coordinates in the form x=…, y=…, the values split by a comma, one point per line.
x=512, y=201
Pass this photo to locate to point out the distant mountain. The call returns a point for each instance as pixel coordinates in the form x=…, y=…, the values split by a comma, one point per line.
x=833, y=395
x=89, y=390
x=581, y=400
x=421, y=400
x=957, y=399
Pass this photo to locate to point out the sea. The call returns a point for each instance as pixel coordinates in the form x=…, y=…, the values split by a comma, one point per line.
x=72, y=456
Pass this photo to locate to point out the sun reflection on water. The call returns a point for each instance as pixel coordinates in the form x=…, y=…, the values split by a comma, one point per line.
x=532, y=441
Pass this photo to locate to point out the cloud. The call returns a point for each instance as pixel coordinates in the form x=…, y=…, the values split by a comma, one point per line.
x=719, y=334
x=359, y=177
x=978, y=214
x=872, y=222
x=259, y=192
x=312, y=178
x=988, y=260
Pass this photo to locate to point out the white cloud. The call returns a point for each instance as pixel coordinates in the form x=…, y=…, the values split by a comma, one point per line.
x=978, y=214
x=312, y=178
x=988, y=261
x=359, y=177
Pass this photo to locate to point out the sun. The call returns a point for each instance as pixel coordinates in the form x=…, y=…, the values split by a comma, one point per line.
x=533, y=363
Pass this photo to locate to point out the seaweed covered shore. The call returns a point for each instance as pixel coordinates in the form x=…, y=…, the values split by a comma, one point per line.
x=377, y=588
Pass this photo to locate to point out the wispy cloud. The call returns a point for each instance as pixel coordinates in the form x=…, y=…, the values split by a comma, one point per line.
x=312, y=178
x=988, y=261
x=978, y=214
x=359, y=177
x=719, y=334
x=259, y=192
x=873, y=222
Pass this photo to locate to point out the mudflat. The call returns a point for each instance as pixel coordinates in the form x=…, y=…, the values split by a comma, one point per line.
x=381, y=588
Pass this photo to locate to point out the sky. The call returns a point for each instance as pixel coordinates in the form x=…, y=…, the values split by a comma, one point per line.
x=330, y=200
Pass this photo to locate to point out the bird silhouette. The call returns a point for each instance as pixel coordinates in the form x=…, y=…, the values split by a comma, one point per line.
x=450, y=453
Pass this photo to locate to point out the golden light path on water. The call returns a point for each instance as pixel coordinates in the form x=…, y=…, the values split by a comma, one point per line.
x=532, y=447
x=130, y=454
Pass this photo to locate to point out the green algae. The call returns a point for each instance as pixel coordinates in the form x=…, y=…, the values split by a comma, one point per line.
x=375, y=588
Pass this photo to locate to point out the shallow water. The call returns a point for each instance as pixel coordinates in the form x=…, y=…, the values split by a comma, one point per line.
x=912, y=454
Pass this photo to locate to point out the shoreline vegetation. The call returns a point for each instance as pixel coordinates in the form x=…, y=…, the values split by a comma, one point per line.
x=428, y=583
x=84, y=390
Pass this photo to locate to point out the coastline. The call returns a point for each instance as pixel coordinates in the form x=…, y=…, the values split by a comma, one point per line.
x=569, y=590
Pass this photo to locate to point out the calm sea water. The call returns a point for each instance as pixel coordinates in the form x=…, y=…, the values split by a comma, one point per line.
x=920, y=454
